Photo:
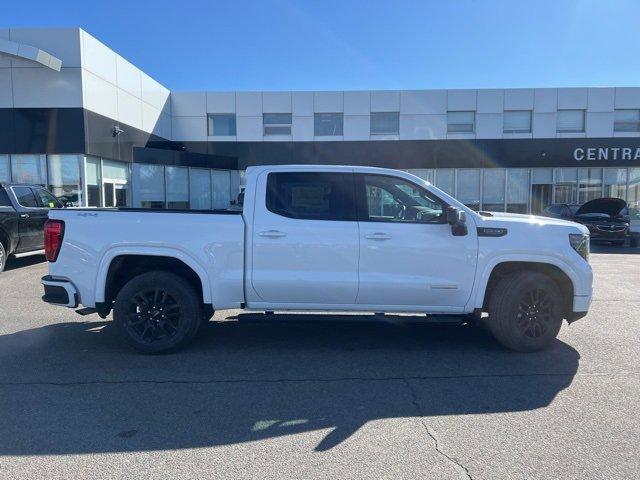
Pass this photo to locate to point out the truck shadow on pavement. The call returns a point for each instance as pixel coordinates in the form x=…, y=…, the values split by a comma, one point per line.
x=70, y=388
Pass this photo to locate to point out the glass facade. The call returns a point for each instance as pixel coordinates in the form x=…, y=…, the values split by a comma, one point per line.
x=65, y=178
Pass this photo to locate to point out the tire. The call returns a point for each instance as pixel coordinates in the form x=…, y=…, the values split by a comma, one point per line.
x=3, y=257
x=525, y=311
x=173, y=315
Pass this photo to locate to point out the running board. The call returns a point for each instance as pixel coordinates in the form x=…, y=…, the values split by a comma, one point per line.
x=86, y=311
x=28, y=254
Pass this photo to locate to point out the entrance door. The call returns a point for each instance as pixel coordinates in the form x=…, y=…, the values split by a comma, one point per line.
x=305, y=242
x=115, y=193
x=408, y=254
x=540, y=197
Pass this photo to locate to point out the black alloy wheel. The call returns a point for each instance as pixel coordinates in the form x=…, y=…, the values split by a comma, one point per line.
x=535, y=312
x=154, y=315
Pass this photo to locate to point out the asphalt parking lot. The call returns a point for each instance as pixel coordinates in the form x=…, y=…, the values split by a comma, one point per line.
x=260, y=397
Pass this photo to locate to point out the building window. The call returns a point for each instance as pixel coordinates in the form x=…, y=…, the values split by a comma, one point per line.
x=199, y=189
x=565, y=188
x=328, y=124
x=517, y=121
x=589, y=184
x=93, y=179
x=493, y=189
x=385, y=123
x=468, y=189
x=222, y=125
x=276, y=124
x=29, y=169
x=461, y=122
x=517, y=190
x=64, y=178
x=177, y=180
x=221, y=187
x=570, y=121
x=151, y=185
x=4, y=168
x=626, y=121
x=445, y=180
x=615, y=183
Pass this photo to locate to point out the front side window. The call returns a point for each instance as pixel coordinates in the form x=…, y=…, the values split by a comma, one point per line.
x=25, y=197
x=570, y=121
x=328, y=124
x=311, y=196
x=391, y=199
x=276, y=124
x=385, y=123
x=626, y=121
x=517, y=121
x=222, y=125
x=461, y=122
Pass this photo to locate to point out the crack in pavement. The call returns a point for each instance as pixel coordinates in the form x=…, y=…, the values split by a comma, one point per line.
x=457, y=465
x=301, y=380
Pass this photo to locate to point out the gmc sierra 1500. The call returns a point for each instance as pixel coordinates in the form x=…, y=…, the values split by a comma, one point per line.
x=320, y=238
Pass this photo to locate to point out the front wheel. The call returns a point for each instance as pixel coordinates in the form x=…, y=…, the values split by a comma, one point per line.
x=157, y=312
x=525, y=311
x=3, y=257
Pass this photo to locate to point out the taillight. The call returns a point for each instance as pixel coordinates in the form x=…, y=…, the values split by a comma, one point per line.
x=53, y=233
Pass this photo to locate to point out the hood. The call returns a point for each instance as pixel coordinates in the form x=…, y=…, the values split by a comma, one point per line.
x=608, y=206
x=504, y=219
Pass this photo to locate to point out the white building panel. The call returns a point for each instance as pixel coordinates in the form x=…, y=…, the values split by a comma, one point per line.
x=99, y=95
x=155, y=94
x=544, y=124
x=627, y=97
x=98, y=58
x=518, y=99
x=356, y=127
x=128, y=77
x=249, y=129
x=129, y=109
x=385, y=101
x=415, y=102
x=327, y=102
x=545, y=100
x=43, y=87
x=357, y=103
x=572, y=98
x=188, y=104
x=489, y=125
x=302, y=103
x=599, y=124
x=302, y=129
x=150, y=118
x=461, y=100
x=276, y=102
x=490, y=101
x=189, y=128
x=221, y=102
x=63, y=43
x=6, y=90
x=249, y=104
x=601, y=99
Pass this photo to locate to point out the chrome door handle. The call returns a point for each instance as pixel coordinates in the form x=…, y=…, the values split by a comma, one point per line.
x=24, y=215
x=378, y=236
x=272, y=234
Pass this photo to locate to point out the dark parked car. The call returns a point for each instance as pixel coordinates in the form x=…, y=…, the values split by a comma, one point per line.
x=606, y=218
x=23, y=211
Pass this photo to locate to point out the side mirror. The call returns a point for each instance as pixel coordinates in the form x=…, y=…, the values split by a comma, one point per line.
x=457, y=219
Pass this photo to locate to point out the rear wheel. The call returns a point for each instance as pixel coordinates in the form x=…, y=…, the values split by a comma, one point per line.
x=157, y=312
x=3, y=257
x=525, y=311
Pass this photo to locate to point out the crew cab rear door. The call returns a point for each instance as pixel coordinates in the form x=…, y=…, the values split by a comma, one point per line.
x=305, y=239
x=31, y=219
x=409, y=256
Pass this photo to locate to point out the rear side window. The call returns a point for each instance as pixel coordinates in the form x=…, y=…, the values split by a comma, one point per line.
x=47, y=200
x=25, y=197
x=312, y=196
x=4, y=198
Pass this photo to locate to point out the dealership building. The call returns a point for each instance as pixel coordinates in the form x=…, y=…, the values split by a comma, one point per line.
x=79, y=118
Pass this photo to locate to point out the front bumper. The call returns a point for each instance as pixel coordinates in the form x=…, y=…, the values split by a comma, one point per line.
x=581, y=305
x=59, y=292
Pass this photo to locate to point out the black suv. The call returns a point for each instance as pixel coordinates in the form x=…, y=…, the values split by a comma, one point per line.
x=606, y=218
x=23, y=211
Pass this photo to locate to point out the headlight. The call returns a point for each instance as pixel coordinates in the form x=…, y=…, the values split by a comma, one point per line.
x=580, y=243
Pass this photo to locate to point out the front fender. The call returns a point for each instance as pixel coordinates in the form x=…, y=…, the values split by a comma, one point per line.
x=134, y=249
x=580, y=277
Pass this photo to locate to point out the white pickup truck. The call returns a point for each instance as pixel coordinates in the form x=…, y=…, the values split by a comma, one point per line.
x=320, y=238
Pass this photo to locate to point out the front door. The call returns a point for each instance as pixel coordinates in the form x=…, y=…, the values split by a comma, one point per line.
x=408, y=254
x=305, y=242
x=32, y=217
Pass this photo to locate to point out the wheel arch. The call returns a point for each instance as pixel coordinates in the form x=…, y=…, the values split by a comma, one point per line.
x=119, y=265
x=503, y=268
